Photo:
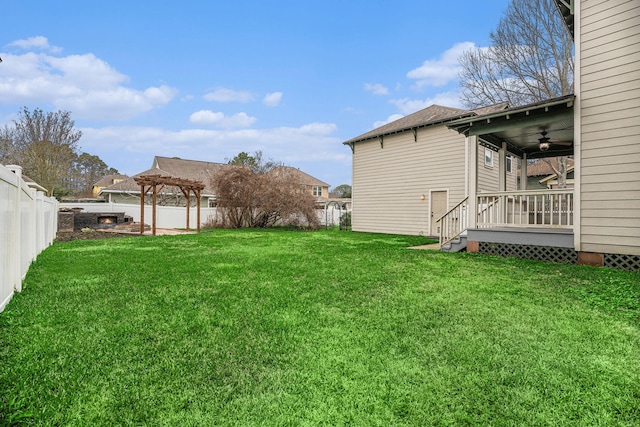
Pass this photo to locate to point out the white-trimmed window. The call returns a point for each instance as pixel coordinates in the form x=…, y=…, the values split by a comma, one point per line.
x=488, y=157
x=317, y=190
x=509, y=164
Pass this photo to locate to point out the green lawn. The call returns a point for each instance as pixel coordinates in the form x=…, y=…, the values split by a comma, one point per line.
x=283, y=328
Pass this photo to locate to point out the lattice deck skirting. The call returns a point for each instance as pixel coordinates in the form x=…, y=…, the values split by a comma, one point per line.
x=541, y=253
x=553, y=254
x=622, y=262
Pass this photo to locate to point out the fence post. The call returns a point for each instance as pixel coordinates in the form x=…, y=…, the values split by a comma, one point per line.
x=16, y=257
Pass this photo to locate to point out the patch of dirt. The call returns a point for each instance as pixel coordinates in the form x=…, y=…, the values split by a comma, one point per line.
x=90, y=235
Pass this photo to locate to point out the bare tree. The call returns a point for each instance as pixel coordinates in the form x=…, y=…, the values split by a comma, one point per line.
x=246, y=198
x=7, y=151
x=49, y=165
x=530, y=60
x=46, y=147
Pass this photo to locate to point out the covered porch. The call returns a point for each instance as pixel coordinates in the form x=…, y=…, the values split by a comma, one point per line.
x=501, y=222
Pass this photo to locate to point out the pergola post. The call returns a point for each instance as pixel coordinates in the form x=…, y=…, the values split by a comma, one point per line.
x=187, y=195
x=142, y=193
x=153, y=209
x=197, y=193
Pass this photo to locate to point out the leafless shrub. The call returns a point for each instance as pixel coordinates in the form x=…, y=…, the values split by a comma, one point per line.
x=253, y=199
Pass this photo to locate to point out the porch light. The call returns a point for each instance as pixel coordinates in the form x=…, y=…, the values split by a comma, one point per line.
x=544, y=143
x=422, y=197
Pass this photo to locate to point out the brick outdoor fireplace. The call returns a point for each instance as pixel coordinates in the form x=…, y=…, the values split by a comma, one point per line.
x=74, y=219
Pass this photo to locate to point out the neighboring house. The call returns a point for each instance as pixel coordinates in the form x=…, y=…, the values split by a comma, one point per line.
x=540, y=175
x=106, y=182
x=128, y=191
x=596, y=222
x=410, y=172
x=318, y=189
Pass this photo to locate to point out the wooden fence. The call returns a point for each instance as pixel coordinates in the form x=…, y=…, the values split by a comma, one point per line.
x=28, y=225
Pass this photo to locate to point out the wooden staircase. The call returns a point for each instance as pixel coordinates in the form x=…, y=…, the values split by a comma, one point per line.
x=453, y=226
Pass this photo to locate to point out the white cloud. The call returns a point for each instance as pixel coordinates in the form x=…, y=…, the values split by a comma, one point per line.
x=208, y=117
x=318, y=128
x=205, y=117
x=229, y=95
x=83, y=84
x=446, y=99
x=38, y=42
x=376, y=89
x=272, y=99
x=439, y=72
x=391, y=118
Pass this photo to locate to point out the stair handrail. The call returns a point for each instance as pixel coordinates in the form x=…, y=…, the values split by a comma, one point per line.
x=454, y=222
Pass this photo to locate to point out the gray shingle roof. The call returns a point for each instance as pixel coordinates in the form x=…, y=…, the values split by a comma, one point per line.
x=542, y=168
x=425, y=117
x=194, y=170
x=108, y=180
x=303, y=177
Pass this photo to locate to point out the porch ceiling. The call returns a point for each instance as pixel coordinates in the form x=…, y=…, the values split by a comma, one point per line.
x=521, y=127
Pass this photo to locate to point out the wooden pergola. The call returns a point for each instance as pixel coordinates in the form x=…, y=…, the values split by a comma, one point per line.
x=152, y=182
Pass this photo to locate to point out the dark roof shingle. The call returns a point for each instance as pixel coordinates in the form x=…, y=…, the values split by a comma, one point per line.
x=425, y=117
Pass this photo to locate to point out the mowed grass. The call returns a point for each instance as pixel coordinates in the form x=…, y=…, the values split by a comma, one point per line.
x=282, y=328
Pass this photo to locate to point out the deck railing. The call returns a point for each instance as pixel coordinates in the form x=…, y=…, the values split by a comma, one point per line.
x=536, y=208
x=453, y=223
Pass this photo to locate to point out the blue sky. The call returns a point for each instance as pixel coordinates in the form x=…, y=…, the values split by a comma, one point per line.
x=206, y=80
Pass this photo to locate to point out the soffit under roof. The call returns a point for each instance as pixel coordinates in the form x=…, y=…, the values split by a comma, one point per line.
x=520, y=128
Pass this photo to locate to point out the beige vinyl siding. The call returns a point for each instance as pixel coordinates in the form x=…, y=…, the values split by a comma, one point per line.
x=610, y=133
x=489, y=177
x=388, y=182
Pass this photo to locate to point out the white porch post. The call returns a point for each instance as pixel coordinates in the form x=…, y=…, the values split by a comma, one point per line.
x=523, y=173
x=472, y=162
x=503, y=167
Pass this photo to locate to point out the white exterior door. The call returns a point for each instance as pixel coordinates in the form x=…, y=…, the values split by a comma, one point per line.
x=438, y=204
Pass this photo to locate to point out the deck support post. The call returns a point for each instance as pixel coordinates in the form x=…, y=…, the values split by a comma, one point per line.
x=523, y=173
x=472, y=179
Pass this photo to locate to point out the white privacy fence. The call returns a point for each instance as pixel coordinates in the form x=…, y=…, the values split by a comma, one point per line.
x=166, y=216
x=175, y=217
x=28, y=224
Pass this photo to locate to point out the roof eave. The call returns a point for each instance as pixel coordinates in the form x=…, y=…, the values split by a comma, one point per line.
x=462, y=125
x=433, y=123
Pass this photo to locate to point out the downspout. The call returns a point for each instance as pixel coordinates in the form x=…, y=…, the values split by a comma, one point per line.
x=577, y=129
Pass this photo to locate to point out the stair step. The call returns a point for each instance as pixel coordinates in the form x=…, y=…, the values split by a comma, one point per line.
x=456, y=245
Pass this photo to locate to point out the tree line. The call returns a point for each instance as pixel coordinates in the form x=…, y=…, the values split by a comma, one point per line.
x=45, y=144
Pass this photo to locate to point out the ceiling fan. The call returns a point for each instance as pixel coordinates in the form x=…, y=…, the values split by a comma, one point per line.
x=545, y=142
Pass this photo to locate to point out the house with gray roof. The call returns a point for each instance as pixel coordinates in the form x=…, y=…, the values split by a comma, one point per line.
x=410, y=172
x=595, y=222
x=128, y=191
